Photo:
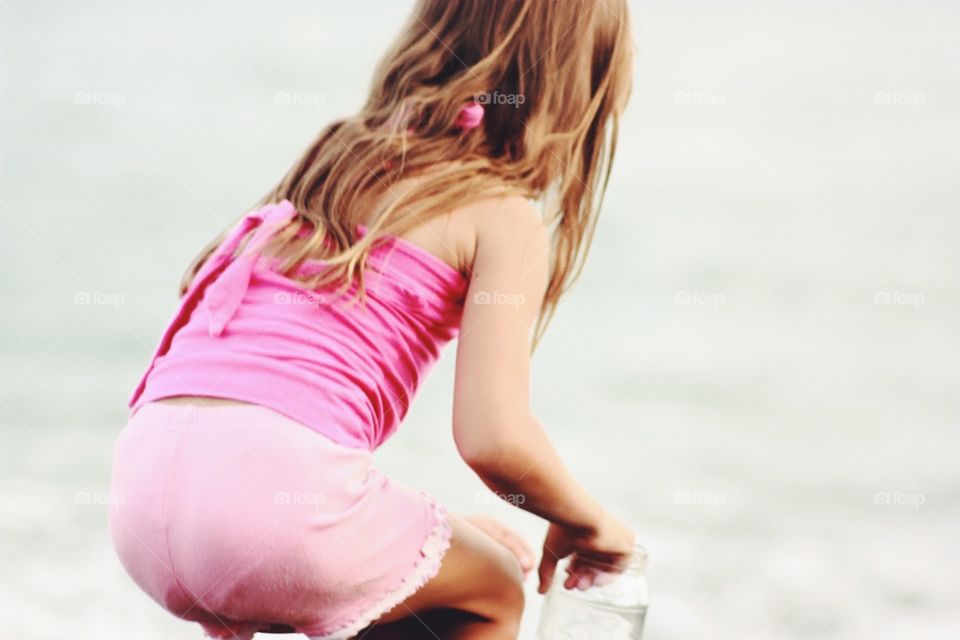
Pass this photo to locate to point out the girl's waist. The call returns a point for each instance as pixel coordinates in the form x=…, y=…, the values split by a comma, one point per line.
x=340, y=410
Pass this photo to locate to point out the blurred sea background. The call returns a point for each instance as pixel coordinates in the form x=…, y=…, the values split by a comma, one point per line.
x=758, y=369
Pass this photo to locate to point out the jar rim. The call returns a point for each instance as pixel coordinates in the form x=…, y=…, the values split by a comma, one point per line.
x=638, y=559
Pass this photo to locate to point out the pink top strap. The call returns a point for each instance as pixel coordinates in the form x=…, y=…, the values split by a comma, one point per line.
x=268, y=218
x=224, y=294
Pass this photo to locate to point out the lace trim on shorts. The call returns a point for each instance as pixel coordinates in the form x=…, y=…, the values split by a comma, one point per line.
x=432, y=551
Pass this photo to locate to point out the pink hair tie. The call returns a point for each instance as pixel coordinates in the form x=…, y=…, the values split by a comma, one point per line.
x=470, y=116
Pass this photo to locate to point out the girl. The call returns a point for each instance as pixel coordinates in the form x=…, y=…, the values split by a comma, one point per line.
x=250, y=499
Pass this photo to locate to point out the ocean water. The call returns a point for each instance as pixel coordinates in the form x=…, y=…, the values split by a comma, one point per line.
x=758, y=369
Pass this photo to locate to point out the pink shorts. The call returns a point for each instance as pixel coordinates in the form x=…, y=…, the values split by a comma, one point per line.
x=243, y=520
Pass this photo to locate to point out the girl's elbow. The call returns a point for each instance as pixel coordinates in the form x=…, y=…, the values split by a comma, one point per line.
x=477, y=450
x=490, y=449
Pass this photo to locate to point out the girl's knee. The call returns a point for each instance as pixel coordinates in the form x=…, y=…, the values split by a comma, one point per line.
x=508, y=592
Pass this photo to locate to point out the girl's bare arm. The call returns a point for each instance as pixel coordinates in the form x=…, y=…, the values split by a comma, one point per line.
x=495, y=432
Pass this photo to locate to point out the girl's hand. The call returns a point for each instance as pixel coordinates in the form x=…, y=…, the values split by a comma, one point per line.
x=596, y=558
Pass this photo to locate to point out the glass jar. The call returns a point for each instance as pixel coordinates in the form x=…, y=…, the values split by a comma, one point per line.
x=614, y=611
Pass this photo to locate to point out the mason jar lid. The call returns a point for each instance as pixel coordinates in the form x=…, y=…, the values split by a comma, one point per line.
x=638, y=560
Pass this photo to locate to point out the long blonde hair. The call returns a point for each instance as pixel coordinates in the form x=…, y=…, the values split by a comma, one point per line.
x=553, y=78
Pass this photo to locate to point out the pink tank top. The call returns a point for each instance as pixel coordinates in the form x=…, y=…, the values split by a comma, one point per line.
x=346, y=369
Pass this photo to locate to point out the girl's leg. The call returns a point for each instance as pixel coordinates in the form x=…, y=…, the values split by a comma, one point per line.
x=477, y=594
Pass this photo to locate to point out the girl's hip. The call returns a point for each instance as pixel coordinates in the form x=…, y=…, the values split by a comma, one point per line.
x=238, y=463
x=235, y=511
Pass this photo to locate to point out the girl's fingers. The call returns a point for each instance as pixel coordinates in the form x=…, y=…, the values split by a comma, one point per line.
x=583, y=574
x=575, y=575
x=548, y=565
x=603, y=578
x=578, y=580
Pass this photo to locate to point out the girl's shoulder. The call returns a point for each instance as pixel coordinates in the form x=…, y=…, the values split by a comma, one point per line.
x=501, y=225
x=455, y=237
